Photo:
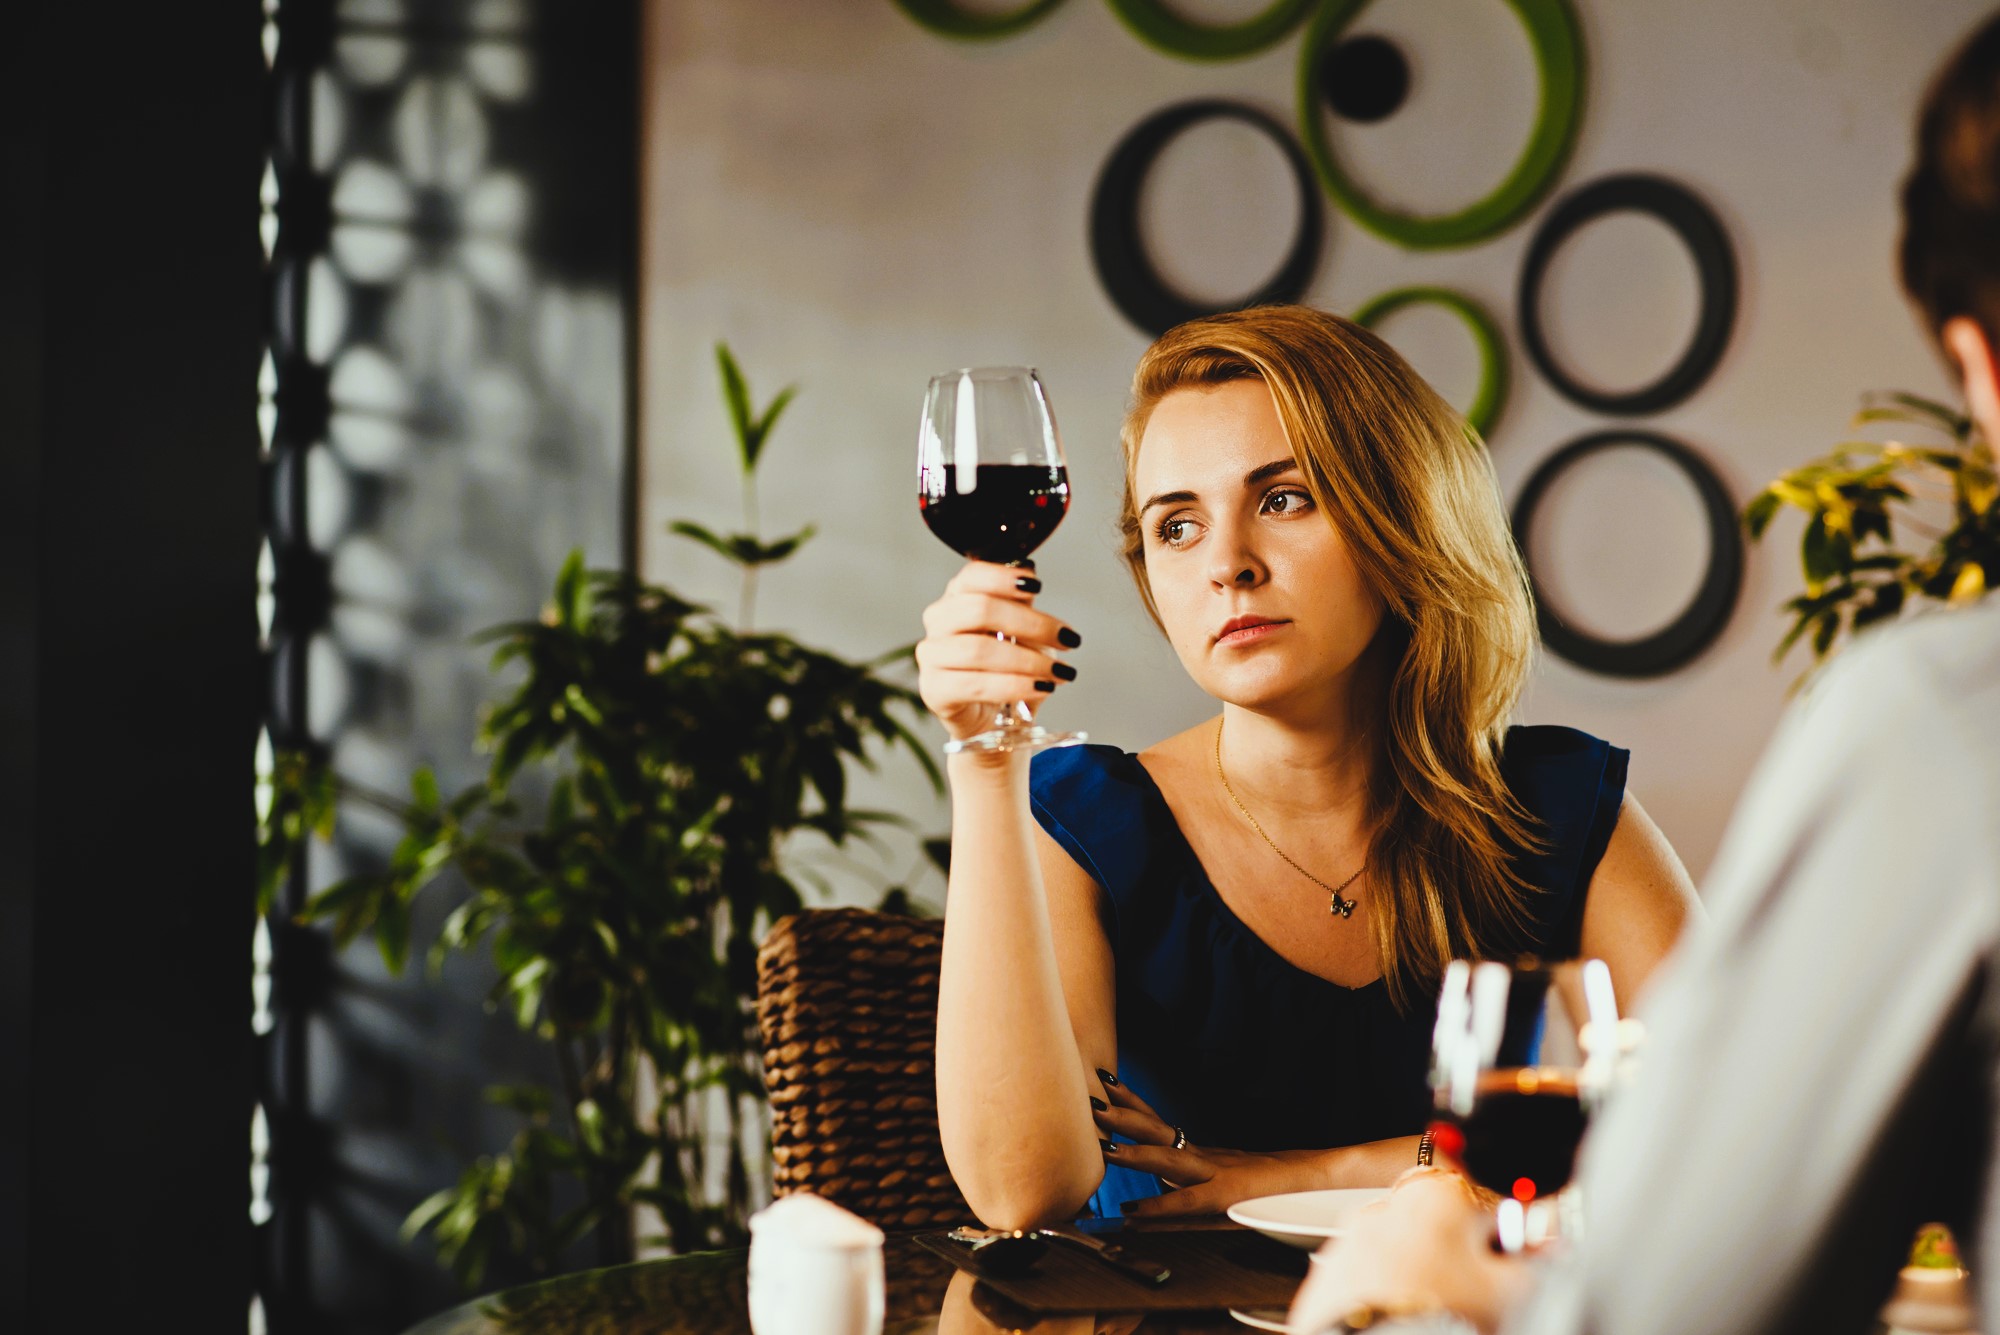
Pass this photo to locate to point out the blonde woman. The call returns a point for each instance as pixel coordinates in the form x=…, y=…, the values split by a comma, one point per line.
x=1210, y=967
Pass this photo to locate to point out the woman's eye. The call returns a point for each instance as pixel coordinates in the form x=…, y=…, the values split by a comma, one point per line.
x=1175, y=532
x=1289, y=501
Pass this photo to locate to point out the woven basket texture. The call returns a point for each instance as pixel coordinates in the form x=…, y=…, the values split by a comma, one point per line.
x=847, y=1002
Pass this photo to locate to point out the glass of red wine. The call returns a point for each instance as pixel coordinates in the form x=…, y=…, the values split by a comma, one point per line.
x=1512, y=1129
x=992, y=484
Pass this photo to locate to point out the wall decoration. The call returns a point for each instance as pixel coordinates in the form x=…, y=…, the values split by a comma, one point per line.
x=1553, y=32
x=947, y=19
x=1365, y=79
x=1682, y=639
x=1119, y=251
x=1156, y=24
x=1491, y=395
x=1699, y=230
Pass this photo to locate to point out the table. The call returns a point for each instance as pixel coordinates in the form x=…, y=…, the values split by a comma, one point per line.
x=704, y=1294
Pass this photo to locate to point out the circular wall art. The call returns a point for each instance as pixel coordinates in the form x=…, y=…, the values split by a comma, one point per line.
x=1119, y=251
x=1699, y=230
x=945, y=17
x=1365, y=79
x=1155, y=23
x=1682, y=639
x=1492, y=393
x=1552, y=31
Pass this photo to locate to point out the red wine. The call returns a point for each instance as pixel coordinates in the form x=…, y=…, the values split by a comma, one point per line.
x=1010, y=512
x=1520, y=1138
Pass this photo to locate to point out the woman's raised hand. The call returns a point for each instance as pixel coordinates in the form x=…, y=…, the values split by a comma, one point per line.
x=966, y=670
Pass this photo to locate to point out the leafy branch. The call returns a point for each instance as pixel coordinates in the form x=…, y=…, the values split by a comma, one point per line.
x=1857, y=497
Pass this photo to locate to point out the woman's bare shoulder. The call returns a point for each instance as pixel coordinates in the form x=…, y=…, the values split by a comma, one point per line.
x=1178, y=764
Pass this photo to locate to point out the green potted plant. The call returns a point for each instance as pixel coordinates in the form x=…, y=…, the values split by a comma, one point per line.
x=681, y=756
x=1863, y=497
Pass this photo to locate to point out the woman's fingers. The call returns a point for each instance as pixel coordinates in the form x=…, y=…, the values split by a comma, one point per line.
x=995, y=614
x=945, y=690
x=984, y=653
x=1177, y=1166
x=1200, y=1198
x=1140, y=1125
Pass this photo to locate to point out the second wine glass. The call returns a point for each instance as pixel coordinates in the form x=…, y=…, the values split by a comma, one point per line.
x=992, y=484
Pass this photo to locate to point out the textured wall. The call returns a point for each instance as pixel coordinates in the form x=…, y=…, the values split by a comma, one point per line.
x=855, y=203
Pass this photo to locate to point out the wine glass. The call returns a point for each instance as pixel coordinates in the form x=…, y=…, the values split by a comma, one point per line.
x=992, y=484
x=1512, y=1129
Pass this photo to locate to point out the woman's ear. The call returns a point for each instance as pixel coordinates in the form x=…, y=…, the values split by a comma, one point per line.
x=1973, y=352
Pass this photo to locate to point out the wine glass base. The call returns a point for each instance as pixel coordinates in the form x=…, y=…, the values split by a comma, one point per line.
x=1030, y=738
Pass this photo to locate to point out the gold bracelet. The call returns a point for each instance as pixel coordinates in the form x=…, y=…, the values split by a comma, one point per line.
x=1426, y=1150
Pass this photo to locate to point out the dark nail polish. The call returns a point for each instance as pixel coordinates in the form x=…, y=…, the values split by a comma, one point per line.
x=1109, y=1079
x=1068, y=638
x=1099, y=1104
x=1028, y=584
x=1045, y=686
x=1063, y=672
x=1024, y=563
x=1109, y=1148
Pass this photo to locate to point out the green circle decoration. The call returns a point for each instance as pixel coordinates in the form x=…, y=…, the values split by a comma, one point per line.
x=1557, y=41
x=947, y=19
x=1492, y=393
x=1155, y=24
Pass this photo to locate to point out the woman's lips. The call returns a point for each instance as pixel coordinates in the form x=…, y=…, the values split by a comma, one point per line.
x=1247, y=630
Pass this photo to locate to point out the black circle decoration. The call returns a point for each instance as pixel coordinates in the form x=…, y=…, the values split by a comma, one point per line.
x=1682, y=639
x=1155, y=23
x=1558, y=46
x=1698, y=229
x=1365, y=79
x=947, y=19
x=1119, y=251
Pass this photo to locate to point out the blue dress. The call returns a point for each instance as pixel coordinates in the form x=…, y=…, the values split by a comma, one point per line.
x=1218, y=1032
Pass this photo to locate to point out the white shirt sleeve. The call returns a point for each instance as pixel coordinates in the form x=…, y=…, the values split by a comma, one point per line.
x=1807, y=1051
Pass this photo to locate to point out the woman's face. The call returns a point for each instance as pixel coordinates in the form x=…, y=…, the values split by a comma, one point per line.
x=1258, y=593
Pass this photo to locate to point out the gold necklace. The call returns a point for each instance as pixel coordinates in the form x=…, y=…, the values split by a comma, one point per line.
x=1337, y=904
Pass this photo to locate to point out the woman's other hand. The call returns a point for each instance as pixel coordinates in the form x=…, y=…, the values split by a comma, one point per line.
x=1425, y=1246
x=965, y=670
x=1207, y=1180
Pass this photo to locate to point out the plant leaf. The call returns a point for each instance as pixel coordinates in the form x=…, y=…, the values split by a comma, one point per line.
x=761, y=433
x=1970, y=585
x=736, y=396
x=1757, y=515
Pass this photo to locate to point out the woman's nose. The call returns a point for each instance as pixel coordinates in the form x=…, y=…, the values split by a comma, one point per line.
x=1234, y=562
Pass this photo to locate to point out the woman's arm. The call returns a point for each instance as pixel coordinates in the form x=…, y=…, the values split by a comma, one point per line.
x=1024, y=996
x=1025, y=1010
x=1640, y=898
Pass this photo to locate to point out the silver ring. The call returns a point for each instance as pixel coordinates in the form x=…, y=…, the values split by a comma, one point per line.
x=1180, y=1138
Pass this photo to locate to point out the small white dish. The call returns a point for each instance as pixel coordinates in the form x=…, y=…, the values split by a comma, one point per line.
x=1261, y=1318
x=1305, y=1219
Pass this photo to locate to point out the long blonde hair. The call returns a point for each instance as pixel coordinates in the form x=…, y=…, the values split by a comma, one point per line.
x=1409, y=487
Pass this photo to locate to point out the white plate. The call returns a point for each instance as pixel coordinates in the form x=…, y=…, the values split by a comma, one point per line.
x=1261, y=1318
x=1304, y=1219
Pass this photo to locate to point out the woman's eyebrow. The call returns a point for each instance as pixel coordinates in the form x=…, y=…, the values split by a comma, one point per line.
x=1261, y=473
x=1276, y=468
x=1167, y=498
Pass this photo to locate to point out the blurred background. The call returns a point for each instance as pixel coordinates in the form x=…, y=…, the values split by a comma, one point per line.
x=333, y=326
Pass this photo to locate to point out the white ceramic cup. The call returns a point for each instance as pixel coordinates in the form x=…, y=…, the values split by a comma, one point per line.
x=815, y=1269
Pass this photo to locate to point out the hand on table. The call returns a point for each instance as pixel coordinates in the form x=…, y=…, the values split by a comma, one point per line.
x=1208, y=1180
x=1425, y=1244
x=985, y=645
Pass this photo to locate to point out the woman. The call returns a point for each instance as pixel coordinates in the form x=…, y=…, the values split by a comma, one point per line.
x=1214, y=963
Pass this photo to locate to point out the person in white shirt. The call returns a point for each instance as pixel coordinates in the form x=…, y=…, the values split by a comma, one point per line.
x=1821, y=1065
